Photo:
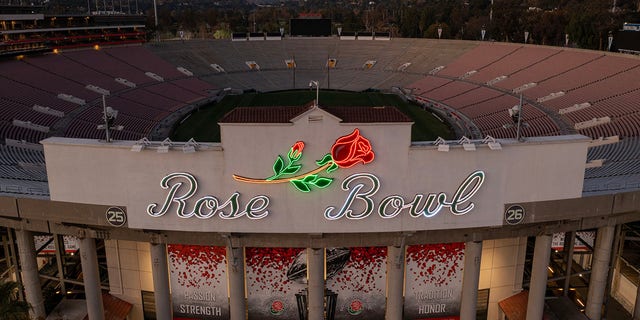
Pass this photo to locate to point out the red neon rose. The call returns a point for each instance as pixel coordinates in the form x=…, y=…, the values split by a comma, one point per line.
x=351, y=149
x=296, y=150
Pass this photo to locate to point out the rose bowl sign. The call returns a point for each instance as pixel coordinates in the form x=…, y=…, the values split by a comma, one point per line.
x=360, y=189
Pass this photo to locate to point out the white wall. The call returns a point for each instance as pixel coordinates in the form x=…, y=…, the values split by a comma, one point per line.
x=129, y=268
x=501, y=270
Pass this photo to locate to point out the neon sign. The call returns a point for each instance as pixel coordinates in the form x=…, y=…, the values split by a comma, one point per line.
x=391, y=206
x=207, y=206
x=346, y=152
x=361, y=187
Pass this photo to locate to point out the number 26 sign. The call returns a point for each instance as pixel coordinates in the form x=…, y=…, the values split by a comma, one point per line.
x=514, y=214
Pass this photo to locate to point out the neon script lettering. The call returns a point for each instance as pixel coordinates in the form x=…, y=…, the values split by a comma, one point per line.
x=363, y=186
x=182, y=186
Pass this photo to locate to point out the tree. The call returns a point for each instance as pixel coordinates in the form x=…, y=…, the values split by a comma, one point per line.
x=10, y=307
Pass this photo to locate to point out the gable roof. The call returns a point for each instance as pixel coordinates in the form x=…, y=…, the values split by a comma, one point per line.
x=282, y=114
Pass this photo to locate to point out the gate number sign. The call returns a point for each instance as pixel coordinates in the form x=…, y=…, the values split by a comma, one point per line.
x=116, y=217
x=514, y=214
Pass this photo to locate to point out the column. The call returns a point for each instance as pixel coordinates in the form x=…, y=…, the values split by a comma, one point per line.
x=160, y=274
x=538, y=285
x=91, y=276
x=237, y=306
x=636, y=307
x=599, y=272
x=470, y=279
x=30, y=275
x=395, y=281
x=315, y=272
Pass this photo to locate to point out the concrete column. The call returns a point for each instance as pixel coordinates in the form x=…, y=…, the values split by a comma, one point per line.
x=599, y=272
x=160, y=274
x=538, y=285
x=395, y=281
x=91, y=278
x=237, y=306
x=315, y=274
x=30, y=276
x=636, y=307
x=470, y=279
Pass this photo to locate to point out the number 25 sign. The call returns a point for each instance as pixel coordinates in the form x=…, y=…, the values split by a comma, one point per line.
x=116, y=217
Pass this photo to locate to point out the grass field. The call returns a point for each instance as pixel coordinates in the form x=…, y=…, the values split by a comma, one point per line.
x=203, y=126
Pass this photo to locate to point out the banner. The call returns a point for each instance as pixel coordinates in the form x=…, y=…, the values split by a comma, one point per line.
x=274, y=277
x=358, y=277
x=433, y=284
x=198, y=282
x=584, y=241
x=70, y=244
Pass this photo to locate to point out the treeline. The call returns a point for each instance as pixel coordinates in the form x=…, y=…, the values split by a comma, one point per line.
x=587, y=22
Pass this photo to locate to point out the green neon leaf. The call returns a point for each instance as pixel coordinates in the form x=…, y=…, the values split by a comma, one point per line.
x=324, y=160
x=310, y=178
x=301, y=185
x=333, y=167
x=322, y=182
x=278, y=165
x=291, y=169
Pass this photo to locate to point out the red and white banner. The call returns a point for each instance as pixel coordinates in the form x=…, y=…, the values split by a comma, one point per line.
x=358, y=277
x=433, y=283
x=584, y=241
x=274, y=277
x=198, y=282
x=70, y=244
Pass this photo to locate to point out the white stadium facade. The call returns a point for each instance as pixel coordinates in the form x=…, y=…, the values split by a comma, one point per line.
x=316, y=212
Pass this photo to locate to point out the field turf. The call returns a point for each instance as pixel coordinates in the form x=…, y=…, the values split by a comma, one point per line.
x=202, y=125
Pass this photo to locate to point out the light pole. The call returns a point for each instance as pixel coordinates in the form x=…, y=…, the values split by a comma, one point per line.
x=516, y=116
x=109, y=116
x=317, y=84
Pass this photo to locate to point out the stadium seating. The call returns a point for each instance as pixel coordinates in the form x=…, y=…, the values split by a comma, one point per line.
x=474, y=82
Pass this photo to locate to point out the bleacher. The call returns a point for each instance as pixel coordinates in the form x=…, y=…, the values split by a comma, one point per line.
x=474, y=82
x=61, y=94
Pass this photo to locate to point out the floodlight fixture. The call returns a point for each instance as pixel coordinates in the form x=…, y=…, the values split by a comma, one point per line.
x=190, y=146
x=442, y=144
x=164, y=146
x=492, y=143
x=467, y=144
x=140, y=145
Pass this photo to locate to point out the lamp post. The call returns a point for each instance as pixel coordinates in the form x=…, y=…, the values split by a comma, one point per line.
x=109, y=116
x=516, y=116
x=317, y=84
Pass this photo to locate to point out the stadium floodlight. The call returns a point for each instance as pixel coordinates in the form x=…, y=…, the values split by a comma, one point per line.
x=140, y=144
x=442, y=144
x=164, y=146
x=516, y=116
x=467, y=144
x=317, y=84
x=109, y=116
x=492, y=143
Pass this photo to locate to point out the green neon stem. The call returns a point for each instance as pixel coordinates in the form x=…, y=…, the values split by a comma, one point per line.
x=300, y=176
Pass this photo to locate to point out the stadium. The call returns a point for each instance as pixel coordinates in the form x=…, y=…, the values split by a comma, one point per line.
x=529, y=209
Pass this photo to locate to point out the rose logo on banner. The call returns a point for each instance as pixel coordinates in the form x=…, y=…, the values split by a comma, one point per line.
x=346, y=152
